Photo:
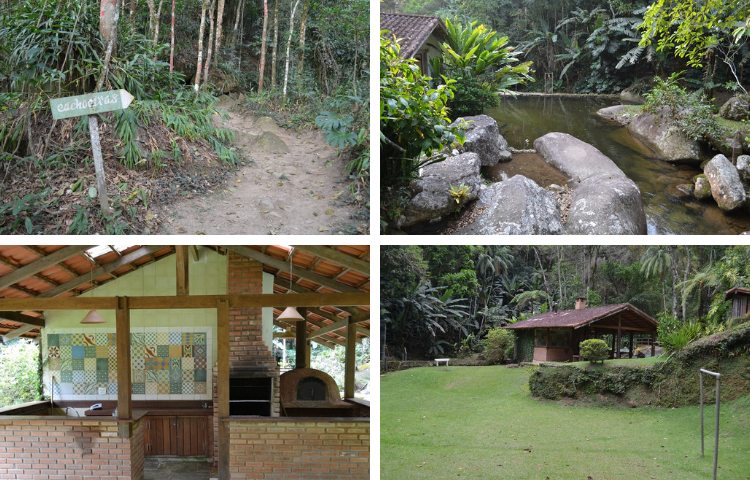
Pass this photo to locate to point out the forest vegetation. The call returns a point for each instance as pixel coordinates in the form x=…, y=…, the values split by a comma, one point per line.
x=447, y=300
x=283, y=59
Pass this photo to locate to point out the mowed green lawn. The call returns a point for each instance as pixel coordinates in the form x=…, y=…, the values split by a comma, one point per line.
x=481, y=422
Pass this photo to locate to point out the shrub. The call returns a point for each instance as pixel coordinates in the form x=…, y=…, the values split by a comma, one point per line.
x=498, y=345
x=19, y=377
x=594, y=349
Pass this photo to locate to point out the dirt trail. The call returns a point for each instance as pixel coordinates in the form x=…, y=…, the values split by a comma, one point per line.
x=292, y=183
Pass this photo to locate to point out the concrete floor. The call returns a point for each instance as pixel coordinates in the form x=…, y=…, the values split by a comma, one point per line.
x=168, y=468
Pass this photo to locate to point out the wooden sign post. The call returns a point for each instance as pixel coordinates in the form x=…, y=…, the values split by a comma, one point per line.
x=89, y=105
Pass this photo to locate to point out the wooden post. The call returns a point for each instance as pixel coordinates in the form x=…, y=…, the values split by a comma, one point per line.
x=301, y=355
x=183, y=270
x=222, y=384
x=619, y=337
x=308, y=353
x=630, y=353
x=96, y=148
x=653, y=345
x=122, y=334
x=350, y=359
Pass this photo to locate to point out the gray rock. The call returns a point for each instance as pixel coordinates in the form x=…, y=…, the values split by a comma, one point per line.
x=606, y=205
x=604, y=200
x=735, y=108
x=659, y=132
x=631, y=97
x=616, y=115
x=685, y=189
x=702, y=189
x=743, y=167
x=483, y=138
x=574, y=157
x=431, y=199
x=726, y=186
x=517, y=206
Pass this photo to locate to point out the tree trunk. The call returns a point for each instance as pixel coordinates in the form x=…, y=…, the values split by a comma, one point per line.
x=219, y=20
x=171, y=43
x=211, y=33
x=237, y=19
x=109, y=13
x=202, y=30
x=289, y=47
x=262, y=67
x=151, y=16
x=301, y=53
x=132, y=9
x=274, y=47
x=157, y=22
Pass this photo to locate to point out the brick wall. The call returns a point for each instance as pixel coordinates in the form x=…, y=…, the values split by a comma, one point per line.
x=289, y=448
x=70, y=449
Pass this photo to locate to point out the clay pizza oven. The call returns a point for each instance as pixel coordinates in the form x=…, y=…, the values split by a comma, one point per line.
x=306, y=392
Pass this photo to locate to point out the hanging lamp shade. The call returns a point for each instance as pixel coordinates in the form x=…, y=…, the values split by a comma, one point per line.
x=290, y=313
x=93, y=317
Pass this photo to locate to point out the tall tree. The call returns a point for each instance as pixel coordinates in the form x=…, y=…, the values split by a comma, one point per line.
x=219, y=21
x=211, y=33
x=264, y=36
x=171, y=42
x=289, y=47
x=201, y=32
x=274, y=47
x=301, y=52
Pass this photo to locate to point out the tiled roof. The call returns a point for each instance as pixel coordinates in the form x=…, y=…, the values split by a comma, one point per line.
x=734, y=291
x=579, y=318
x=411, y=30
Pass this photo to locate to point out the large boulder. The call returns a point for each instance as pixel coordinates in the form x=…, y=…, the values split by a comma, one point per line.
x=483, y=138
x=432, y=199
x=517, y=206
x=726, y=186
x=660, y=133
x=604, y=200
x=606, y=205
x=743, y=167
x=617, y=114
x=735, y=108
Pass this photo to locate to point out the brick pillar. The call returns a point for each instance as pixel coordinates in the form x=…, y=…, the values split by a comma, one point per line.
x=246, y=348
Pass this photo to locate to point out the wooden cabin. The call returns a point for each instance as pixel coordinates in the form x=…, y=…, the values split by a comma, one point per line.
x=740, y=298
x=555, y=336
x=176, y=344
x=419, y=36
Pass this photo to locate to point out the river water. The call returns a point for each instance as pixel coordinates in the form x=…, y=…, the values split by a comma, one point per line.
x=523, y=119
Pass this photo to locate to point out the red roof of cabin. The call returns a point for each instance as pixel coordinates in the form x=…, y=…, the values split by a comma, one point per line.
x=412, y=31
x=582, y=317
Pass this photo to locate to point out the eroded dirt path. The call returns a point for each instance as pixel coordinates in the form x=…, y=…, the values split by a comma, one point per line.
x=292, y=183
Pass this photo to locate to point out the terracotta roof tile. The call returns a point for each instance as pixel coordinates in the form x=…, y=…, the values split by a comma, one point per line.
x=411, y=30
x=577, y=318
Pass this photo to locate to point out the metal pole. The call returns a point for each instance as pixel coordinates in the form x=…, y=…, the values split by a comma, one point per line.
x=717, y=376
x=700, y=376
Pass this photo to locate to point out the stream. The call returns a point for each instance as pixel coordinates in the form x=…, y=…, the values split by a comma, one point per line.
x=523, y=119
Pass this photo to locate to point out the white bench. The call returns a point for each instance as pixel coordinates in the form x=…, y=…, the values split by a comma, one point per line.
x=438, y=361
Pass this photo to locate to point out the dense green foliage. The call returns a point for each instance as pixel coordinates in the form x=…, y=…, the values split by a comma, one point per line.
x=19, y=377
x=595, y=46
x=498, y=345
x=496, y=285
x=413, y=116
x=594, y=350
x=476, y=423
x=481, y=63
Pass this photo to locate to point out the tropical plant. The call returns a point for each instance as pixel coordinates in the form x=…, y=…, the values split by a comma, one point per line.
x=498, y=345
x=414, y=121
x=482, y=65
x=594, y=350
x=19, y=377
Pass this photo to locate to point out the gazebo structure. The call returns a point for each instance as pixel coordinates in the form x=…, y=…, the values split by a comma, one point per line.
x=555, y=336
x=420, y=36
x=740, y=298
x=175, y=343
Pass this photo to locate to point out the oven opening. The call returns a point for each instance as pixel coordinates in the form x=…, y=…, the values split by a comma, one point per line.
x=312, y=388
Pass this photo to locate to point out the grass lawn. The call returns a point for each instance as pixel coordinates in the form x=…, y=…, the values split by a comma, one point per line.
x=481, y=422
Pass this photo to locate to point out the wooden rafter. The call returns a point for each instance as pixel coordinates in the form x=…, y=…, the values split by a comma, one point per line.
x=22, y=318
x=348, y=261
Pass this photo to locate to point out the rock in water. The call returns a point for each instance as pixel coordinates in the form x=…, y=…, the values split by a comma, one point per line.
x=432, y=199
x=702, y=189
x=743, y=167
x=483, y=138
x=616, y=115
x=604, y=200
x=726, y=186
x=660, y=133
x=517, y=206
x=735, y=108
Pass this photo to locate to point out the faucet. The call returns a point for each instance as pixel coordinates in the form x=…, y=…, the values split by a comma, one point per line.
x=205, y=404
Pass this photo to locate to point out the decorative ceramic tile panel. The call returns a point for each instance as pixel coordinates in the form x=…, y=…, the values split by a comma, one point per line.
x=163, y=362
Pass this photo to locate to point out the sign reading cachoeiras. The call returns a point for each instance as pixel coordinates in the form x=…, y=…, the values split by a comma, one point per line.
x=90, y=104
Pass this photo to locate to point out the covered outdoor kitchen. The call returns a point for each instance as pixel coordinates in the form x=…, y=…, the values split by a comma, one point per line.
x=555, y=336
x=167, y=352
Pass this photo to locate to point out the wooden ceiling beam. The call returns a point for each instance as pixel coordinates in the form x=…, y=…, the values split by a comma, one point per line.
x=22, y=318
x=183, y=270
x=336, y=256
x=102, y=270
x=356, y=313
x=41, y=264
x=281, y=265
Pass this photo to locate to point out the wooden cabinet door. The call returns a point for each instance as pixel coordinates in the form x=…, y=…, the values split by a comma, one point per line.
x=177, y=436
x=192, y=436
x=159, y=435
